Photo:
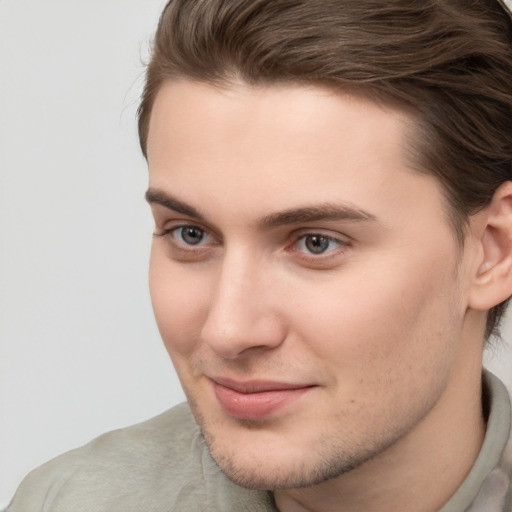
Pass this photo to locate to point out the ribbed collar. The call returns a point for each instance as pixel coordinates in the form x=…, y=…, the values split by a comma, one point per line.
x=487, y=486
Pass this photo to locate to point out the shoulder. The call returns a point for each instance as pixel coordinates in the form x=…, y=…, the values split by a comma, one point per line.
x=118, y=466
x=159, y=465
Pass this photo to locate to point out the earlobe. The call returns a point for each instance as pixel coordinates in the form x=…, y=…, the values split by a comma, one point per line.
x=492, y=283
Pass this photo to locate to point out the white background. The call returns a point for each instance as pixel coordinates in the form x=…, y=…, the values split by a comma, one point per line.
x=79, y=350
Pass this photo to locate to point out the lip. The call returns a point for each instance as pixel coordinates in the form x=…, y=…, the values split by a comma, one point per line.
x=255, y=399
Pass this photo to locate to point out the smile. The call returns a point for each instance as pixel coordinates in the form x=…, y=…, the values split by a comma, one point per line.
x=255, y=400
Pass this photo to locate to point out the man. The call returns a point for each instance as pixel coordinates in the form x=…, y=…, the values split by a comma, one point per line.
x=331, y=187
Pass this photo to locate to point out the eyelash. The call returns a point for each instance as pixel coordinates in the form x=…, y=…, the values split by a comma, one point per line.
x=184, y=251
x=303, y=239
x=190, y=249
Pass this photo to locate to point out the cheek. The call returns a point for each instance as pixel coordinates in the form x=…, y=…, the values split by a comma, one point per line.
x=178, y=299
x=383, y=323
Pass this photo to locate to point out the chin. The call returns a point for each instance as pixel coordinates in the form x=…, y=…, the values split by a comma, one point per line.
x=261, y=461
x=278, y=471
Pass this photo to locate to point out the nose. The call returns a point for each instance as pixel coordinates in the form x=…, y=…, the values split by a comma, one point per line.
x=243, y=312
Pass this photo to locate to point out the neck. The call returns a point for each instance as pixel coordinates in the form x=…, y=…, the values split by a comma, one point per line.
x=430, y=462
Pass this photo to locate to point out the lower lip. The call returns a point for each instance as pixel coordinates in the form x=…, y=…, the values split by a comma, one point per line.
x=255, y=406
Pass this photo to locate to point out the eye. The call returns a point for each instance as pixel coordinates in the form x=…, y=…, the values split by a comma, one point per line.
x=317, y=244
x=188, y=242
x=189, y=235
x=186, y=236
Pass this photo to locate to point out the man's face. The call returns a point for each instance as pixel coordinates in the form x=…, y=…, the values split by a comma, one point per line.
x=306, y=283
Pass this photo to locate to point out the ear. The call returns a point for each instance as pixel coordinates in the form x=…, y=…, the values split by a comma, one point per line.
x=492, y=282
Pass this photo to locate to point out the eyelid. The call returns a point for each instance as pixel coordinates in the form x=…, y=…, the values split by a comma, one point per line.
x=326, y=233
x=165, y=217
x=317, y=260
x=173, y=226
x=183, y=252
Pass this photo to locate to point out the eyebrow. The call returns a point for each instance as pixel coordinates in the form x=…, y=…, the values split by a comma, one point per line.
x=155, y=196
x=325, y=211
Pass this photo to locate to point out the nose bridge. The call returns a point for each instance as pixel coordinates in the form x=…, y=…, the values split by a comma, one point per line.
x=241, y=313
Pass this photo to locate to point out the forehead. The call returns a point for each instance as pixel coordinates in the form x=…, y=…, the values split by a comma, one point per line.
x=262, y=149
x=284, y=115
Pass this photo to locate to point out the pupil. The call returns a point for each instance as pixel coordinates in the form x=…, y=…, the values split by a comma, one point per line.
x=192, y=236
x=317, y=244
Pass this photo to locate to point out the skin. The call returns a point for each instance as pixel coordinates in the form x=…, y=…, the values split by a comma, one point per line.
x=379, y=325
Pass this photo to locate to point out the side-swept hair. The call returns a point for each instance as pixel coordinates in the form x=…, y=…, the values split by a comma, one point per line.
x=448, y=61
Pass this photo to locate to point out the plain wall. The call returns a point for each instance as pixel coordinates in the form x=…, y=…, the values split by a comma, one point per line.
x=80, y=353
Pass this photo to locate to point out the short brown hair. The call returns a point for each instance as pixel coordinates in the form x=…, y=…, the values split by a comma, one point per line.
x=449, y=61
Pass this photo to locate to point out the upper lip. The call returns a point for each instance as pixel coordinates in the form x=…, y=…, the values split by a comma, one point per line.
x=257, y=386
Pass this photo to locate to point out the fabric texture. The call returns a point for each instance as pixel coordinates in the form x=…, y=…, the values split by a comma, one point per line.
x=163, y=465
